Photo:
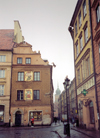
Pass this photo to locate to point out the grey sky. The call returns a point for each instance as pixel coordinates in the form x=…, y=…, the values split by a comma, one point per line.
x=44, y=25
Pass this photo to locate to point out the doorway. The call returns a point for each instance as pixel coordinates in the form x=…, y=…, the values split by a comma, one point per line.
x=18, y=118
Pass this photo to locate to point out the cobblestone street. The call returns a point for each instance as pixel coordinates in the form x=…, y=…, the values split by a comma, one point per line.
x=53, y=131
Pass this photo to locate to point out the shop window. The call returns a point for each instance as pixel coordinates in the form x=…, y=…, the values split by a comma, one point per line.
x=28, y=60
x=36, y=94
x=36, y=114
x=1, y=113
x=91, y=108
x=19, y=94
x=2, y=73
x=19, y=60
x=2, y=58
x=36, y=76
x=1, y=90
x=20, y=76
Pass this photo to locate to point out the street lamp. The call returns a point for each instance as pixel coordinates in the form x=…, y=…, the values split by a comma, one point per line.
x=66, y=83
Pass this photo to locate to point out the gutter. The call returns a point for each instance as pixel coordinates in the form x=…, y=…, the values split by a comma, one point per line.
x=94, y=66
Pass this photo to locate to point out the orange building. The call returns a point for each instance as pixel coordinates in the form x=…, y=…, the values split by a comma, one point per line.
x=32, y=87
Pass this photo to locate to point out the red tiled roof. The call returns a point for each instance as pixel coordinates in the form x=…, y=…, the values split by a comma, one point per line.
x=6, y=39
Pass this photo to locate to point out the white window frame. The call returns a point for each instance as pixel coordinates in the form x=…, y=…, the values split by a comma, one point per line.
x=80, y=20
x=2, y=73
x=36, y=76
x=84, y=9
x=86, y=34
x=20, y=76
x=81, y=43
x=1, y=90
x=2, y=58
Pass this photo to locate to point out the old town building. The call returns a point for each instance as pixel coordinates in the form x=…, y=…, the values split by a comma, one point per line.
x=6, y=45
x=80, y=29
x=32, y=87
x=7, y=40
x=95, y=24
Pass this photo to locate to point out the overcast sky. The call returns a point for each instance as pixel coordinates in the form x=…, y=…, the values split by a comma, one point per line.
x=44, y=25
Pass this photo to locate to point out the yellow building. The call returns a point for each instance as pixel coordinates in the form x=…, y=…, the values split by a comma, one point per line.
x=7, y=39
x=80, y=30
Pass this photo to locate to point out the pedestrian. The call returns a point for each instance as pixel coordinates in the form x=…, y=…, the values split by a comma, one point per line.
x=73, y=121
x=55, y=119
x=32, y=122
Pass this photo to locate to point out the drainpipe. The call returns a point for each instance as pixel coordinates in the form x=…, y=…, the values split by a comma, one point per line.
x=94, y=65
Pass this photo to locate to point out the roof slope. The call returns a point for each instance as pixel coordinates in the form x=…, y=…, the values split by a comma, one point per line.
x=6, y=39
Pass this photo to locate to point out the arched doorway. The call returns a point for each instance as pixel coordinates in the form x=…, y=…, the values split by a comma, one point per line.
x=18, y=118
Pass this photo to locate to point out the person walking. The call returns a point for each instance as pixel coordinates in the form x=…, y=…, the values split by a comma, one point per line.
x=32, y=122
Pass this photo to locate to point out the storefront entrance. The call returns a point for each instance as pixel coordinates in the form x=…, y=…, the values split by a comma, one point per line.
x=18, y=118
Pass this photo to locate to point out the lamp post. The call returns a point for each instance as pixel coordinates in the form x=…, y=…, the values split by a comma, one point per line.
x=66, y=83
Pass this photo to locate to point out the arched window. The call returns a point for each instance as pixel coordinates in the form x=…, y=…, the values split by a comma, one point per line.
x=91, y=108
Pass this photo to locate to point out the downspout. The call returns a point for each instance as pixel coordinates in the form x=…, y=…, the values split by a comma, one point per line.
x=94, y=65
x=10, y=89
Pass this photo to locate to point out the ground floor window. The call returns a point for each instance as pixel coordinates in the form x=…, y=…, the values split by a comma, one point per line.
x=1, y=113
x=36, y=114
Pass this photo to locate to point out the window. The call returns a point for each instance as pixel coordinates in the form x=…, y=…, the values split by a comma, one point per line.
x=76, y=28
x=36, y=114
x=36, y=76
x=2, y=73
x=20, y=95
x=98, y=13
x=28, y=60
x=36, y=94
x=19, y=60
x=20, y=76
x=86, y=35
x=2, y=58
x=1, y=90
x=78, y=74
x=87, y=67
x=80, y=22
x=91, y=108
x=77, y=49
x=81, y=43
x=84, y=8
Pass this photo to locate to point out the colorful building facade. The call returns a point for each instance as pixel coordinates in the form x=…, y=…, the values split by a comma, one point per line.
x=32, y=87
x=80, y=29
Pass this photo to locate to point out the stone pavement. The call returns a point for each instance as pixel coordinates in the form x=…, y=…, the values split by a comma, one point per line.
x=75, y=132
x=81, y=133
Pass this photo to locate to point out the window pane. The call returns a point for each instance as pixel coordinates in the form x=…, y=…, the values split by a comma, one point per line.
x=2, y=73
x=20, y=76
x=20, y=95
x=1, y=90
x=2, y=58
x=28, y=60
x=19, y=60
x=36, y=76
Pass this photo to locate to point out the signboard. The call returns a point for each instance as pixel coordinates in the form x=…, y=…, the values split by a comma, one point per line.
x=84, y=92
x=28, y=94
x=28, y=75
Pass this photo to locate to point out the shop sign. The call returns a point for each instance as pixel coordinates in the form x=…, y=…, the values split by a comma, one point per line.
x=84, y=92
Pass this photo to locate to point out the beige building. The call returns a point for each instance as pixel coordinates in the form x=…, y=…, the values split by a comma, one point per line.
x=7, y=37
x=32, y=88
